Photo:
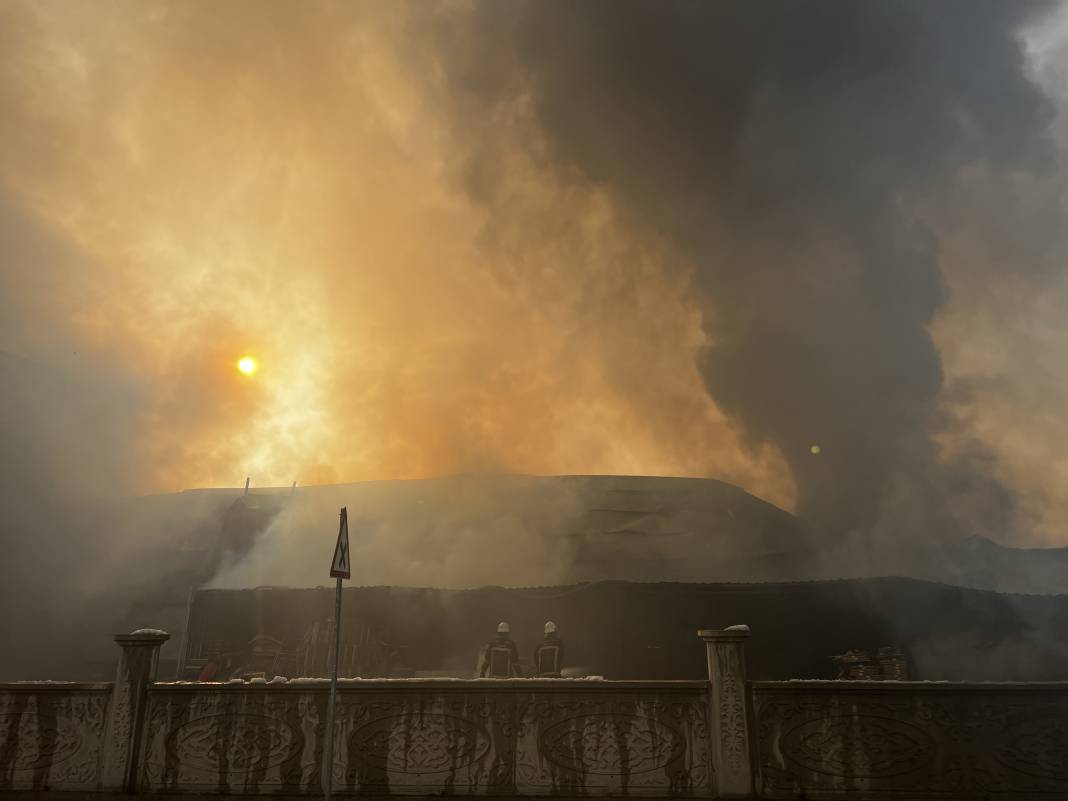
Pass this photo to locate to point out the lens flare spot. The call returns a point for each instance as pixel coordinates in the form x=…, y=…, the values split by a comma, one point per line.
x=247, y=365
x=815, y=450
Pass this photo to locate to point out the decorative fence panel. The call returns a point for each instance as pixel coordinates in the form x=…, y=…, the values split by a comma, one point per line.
x=531, y=737
x=432, y=737
x=871, y=740
x=52, y=735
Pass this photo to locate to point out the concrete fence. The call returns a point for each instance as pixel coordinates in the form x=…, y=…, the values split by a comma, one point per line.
x=846, y=740
x=721, y=738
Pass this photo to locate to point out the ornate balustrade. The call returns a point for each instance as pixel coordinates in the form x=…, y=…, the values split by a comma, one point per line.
x=500, y=738
x=543, y=737
x=52, y=735
x=870, y=740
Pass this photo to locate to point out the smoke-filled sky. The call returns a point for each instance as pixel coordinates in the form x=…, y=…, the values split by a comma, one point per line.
x=550, y=237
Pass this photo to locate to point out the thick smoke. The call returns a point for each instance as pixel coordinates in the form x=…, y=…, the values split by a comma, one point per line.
x=661, y=238
x=184, y=183
x=464, y=531
x=281, y=179
x=787, y=151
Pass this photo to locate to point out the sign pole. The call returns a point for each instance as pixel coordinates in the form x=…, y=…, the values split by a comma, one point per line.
x=328, y=774
x=339, y=569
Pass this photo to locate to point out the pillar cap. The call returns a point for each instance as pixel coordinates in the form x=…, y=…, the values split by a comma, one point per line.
x=143, y=637
x=738, y=633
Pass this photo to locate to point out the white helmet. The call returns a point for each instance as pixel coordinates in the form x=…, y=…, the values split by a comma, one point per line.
x=550, y=628
x=503, y=628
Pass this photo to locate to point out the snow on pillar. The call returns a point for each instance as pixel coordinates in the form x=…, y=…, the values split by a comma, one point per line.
x=126, y=714
x=729, y=727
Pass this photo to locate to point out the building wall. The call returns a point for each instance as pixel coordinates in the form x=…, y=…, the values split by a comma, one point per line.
x=635, y=631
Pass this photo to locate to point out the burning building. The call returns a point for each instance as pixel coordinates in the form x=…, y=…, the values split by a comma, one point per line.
x=662, y=549
x=626, y=630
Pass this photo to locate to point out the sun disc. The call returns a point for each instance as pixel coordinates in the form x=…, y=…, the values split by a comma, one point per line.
x=247, y=365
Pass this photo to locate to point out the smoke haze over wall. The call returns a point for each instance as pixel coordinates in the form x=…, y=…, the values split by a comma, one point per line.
x=631, y=237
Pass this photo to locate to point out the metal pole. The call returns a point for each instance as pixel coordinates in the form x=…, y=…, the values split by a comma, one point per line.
x=328, y=751
x=185, y=634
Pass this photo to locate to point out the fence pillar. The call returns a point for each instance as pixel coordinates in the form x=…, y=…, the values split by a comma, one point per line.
x=729, y=727
x=126, y=714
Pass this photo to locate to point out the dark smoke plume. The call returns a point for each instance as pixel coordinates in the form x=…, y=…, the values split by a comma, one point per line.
x=662, y=238
x=784, y=149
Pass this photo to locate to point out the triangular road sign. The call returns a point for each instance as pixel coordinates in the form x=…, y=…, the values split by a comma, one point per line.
x=341, y=566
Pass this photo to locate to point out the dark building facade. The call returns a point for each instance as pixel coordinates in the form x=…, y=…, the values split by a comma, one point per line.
x=894, y=628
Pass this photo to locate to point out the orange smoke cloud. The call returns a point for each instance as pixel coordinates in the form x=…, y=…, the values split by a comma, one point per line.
x=261, y=179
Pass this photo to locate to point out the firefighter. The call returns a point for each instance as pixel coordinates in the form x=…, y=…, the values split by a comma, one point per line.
x=549, y=655
x=500, y=658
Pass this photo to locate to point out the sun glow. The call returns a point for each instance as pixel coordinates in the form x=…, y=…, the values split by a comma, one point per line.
x=247, y=365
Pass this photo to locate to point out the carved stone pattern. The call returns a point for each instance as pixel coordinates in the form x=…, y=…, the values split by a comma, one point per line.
x=63, y=743
x=611, y=744
x=860, y=746
x=694, y=717
x=461, y=742
x=120, y=726
x=732, y=724
x=421, y=743
x=1036, y=747
x=1008, y=744
x=28, y=732
x=253, y=731
x=233, y=743
x=687, y=770
x=121, y=715
x=152, y=767
x=409, y=743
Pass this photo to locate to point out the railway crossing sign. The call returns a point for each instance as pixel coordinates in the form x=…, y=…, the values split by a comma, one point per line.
x=341, y=566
